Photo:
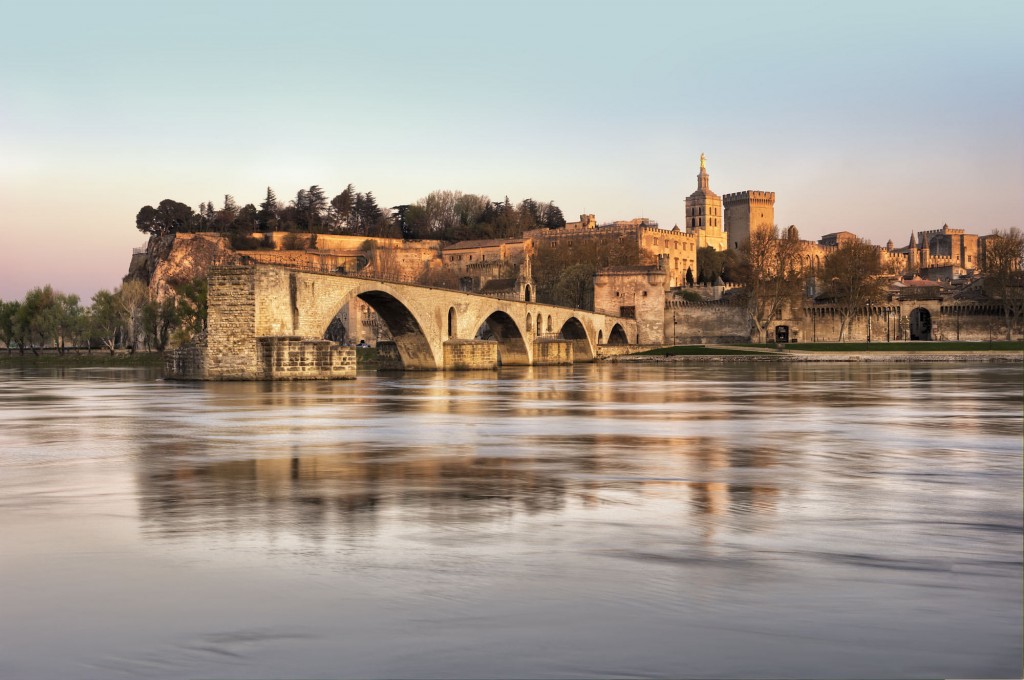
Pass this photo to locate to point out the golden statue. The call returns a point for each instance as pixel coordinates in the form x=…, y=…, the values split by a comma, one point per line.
x=702, y=159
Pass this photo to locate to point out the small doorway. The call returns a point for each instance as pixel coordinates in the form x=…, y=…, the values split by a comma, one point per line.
x=920, y=324
x=782, y=334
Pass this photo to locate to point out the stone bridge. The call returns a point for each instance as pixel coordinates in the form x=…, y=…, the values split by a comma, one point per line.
x=267, y=323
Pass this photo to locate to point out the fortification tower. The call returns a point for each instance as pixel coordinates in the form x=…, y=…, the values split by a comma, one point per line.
x=912, y=254
x=704, y=217
x=746, y=210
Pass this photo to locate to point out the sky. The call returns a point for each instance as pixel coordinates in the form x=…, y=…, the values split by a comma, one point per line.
x=874, y=117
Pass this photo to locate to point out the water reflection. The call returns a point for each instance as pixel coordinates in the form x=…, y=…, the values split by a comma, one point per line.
x=698, y=521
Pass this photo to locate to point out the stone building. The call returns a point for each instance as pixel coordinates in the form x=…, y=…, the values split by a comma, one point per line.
x=634, y=293
x=746, y=210
x=704, y=217
x=673, y=250
x=942, y=254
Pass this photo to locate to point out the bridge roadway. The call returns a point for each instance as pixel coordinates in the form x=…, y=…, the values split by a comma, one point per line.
x=251, y=306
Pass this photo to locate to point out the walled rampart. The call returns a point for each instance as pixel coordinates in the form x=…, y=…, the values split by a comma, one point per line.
x=696, y=323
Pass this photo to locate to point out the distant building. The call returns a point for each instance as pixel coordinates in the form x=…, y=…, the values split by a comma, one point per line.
x=745, y=211
x=704, y=216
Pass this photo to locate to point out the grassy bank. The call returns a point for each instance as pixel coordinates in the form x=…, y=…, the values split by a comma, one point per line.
x=97, y=358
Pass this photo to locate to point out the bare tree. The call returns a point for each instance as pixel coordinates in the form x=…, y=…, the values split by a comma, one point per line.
x=853, y=278
x=771, y=275
x=132, y=298
x=383, y=260
x=1003, y=268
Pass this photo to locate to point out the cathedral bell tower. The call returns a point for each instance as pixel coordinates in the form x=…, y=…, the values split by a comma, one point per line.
x=704, y=213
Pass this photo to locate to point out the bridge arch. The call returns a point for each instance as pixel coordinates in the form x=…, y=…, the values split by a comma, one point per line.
x=406, y=330
x=617, y=336
x=512, y=349
x=574, y=330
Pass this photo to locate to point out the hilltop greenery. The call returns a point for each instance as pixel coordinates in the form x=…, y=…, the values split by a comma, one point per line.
x=444, y=215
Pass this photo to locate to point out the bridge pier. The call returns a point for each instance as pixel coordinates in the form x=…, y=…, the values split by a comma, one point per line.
x=468, y=355
x=552, y=352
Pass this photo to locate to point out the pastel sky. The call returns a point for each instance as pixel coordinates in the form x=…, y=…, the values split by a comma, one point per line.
x=878, y=118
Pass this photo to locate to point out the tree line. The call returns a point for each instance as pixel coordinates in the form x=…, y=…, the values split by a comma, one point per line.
x=125, y=318
x=443, y=215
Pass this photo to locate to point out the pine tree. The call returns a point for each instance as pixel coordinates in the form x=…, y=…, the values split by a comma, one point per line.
x=343, y=204
x=267, y=216
x=317, y=208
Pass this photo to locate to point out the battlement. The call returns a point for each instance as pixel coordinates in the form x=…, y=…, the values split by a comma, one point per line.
x=753, y=196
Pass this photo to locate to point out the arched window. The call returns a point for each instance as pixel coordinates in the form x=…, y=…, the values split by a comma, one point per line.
x=529, y=323
x=451, y=322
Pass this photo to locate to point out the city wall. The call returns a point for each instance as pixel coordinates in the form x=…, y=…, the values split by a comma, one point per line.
x=697, y=323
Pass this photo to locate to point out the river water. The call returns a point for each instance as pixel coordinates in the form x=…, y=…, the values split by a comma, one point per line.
x=701, y=520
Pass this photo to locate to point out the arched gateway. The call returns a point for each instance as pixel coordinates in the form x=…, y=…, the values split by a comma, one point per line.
x=268, y=322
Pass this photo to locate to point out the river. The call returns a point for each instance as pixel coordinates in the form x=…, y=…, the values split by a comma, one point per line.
x=704, y=521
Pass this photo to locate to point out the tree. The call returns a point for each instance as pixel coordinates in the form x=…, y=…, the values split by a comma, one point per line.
x=158, y=320
x=106, y=318
x=266, y=218
x=168, y=217
x=1003, y=267
x=770, y=275
x=553, y=218
x=342, y=206
x=317, y=210
x=712, y=264
x=35, y=317
x=246, y=221
x=440, y=208
x=564, y=274
x=66, y=318
x=8, y=328
x=853, y=279
x=192, y=307
x=132, y=299
x=575, y=287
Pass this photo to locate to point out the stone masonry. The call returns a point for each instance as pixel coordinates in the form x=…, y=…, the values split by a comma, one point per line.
x=268, y=322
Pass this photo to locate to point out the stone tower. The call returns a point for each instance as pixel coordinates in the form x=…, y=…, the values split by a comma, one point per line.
x=746, y=210
x=704, y=216
x=912, y=254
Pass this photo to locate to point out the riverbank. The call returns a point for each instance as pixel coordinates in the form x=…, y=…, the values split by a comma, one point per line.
x=728, y=354
x=793, y=357
x=82, y=359
x=1002, y=352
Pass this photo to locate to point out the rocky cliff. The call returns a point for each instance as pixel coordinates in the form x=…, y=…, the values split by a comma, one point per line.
x=173, y=259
